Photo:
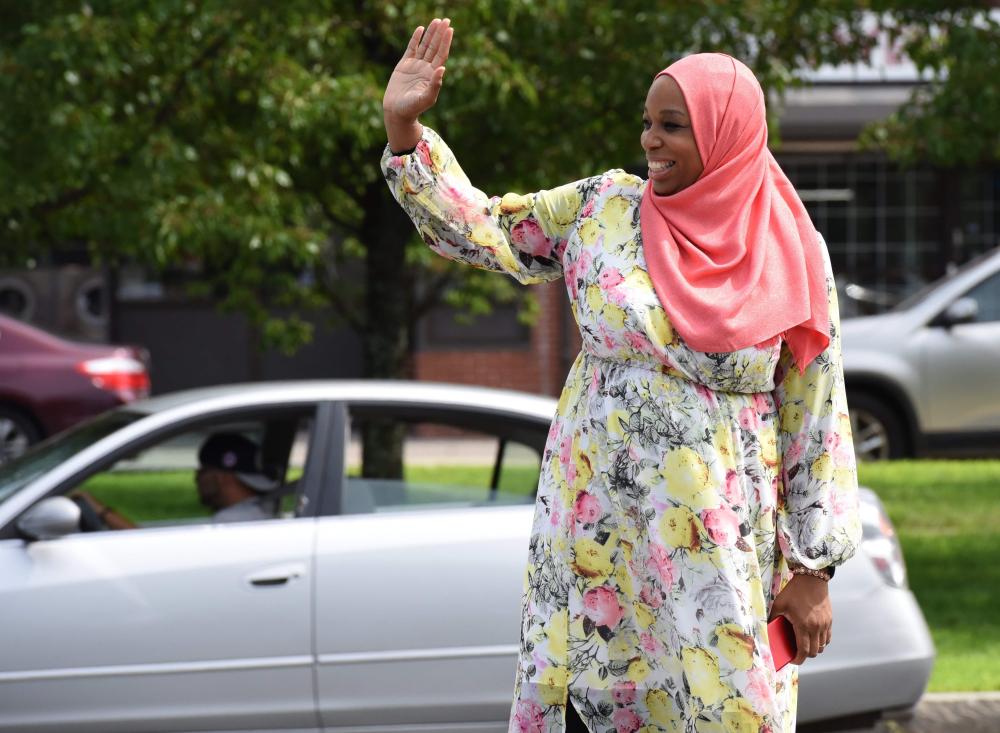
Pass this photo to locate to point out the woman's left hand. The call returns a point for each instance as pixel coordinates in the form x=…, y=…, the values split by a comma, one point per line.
x=805, y=602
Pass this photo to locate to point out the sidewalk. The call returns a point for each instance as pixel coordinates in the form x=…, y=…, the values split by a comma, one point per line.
x=946, y=712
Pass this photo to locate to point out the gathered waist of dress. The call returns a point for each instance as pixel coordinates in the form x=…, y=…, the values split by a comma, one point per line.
x=611, y=364
x=638, y=362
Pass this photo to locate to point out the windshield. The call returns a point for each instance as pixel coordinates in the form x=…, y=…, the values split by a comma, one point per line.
x=26, y=468
x=922, y=294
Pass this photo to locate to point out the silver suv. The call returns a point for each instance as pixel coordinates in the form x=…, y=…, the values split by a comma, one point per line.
x=924, y=378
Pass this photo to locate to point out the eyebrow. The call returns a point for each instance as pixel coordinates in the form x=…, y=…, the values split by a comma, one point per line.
x=670, y=111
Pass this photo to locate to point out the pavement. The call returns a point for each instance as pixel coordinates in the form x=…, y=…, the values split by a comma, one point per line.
x=947, y=712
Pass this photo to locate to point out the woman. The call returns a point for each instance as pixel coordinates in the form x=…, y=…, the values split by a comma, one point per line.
x=699, y=475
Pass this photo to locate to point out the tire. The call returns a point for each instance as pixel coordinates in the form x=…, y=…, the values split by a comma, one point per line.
x=17, y=432
x=877, y=428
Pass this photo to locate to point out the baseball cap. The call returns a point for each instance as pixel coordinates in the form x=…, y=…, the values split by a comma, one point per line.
x=237, y=453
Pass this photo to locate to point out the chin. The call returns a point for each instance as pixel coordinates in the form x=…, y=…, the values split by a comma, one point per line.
x=671, y=188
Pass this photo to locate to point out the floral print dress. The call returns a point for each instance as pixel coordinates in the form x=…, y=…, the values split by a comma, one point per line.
x=676, y=485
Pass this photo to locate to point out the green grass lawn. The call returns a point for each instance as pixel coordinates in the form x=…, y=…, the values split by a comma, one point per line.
x=520, y=480
x=155, y=496
x=947, y=514
x=170, y=495
x=148, y=496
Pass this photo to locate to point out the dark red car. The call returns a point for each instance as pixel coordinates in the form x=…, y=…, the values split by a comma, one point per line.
x=48, y=384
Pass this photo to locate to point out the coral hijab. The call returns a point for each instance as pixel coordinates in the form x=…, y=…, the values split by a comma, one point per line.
x=734, y=257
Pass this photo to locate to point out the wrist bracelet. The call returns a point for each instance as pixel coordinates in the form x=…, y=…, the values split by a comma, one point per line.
x=802, y=570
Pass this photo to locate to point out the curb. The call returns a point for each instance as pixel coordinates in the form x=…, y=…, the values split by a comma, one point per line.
x=943, y=712
x=936, y=697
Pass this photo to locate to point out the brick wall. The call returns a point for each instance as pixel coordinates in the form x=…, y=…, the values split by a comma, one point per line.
x=509, y=369
x=539, y=368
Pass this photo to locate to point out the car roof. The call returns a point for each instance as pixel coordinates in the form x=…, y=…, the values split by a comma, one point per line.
x=370, y=391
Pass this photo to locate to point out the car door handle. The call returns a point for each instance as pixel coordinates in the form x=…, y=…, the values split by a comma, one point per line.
x=277, y=576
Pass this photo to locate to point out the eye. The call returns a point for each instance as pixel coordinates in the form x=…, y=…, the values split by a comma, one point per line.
x=671, y=126
x=645, y=124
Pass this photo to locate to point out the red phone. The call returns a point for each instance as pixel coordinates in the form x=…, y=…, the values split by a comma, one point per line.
x=782, y=638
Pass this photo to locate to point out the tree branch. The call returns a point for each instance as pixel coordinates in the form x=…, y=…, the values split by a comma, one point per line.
x=338, y=302
x=345, y=311
x=432, y=295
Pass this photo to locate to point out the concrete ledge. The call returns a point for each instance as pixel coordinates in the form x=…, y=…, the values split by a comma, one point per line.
x=946, y=712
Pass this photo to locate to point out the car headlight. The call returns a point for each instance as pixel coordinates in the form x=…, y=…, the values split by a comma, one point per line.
x=880, y=542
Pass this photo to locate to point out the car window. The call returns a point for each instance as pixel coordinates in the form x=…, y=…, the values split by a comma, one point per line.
x=439, y=463
x=162, y=483
x=925, y=292
x=987, y=297
x=19, y=472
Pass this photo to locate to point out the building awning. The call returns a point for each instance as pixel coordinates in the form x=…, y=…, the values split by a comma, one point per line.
x=837, y=112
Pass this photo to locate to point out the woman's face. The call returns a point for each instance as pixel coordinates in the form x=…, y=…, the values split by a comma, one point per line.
x=668, y=139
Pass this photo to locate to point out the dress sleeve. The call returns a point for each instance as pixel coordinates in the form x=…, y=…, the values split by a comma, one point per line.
x=521, y=235
x=818, y=519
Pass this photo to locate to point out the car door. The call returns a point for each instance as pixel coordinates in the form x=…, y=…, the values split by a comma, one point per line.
x=419, y=578
x=180, y=624
x=960, y=363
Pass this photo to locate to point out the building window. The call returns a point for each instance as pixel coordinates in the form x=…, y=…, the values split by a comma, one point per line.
x=882, y=224
x=978, y=227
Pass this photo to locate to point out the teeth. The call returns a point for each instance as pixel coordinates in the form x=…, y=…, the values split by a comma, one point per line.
x=659, y=165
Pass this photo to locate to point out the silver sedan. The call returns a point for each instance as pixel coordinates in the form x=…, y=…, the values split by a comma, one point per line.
x=366, y=602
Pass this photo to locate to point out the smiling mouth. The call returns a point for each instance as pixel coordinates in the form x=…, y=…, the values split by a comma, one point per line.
x=656, y=166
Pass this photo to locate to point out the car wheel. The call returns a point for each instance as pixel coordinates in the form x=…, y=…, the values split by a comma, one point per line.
x=876, y=428
x=17, y=432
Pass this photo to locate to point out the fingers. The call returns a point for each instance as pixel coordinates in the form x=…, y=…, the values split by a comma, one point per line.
x=822, y=636
x=435, y=37
x=803, y=644
x=810, y=641
x=423, y=50
x=438, y=78
x=816, y=643
x=825, y=639
x=414, y=44
x=441, y=53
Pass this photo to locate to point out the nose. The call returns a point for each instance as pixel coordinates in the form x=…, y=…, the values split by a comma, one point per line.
x=649, y=140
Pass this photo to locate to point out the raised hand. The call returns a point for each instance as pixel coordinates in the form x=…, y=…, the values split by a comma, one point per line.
x=415, y=82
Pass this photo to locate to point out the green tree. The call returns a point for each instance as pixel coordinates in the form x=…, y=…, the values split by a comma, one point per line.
x=955, y=118
x=242, y=139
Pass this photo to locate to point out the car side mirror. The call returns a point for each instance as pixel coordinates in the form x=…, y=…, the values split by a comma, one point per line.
x=963, y=310
x=50, y=519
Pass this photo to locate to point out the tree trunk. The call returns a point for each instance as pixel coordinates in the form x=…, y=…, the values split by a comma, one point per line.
x=385, y=340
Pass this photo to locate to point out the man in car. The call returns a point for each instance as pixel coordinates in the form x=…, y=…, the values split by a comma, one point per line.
x=230, y=480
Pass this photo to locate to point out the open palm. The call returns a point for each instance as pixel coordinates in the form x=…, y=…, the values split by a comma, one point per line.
x=415, y=82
